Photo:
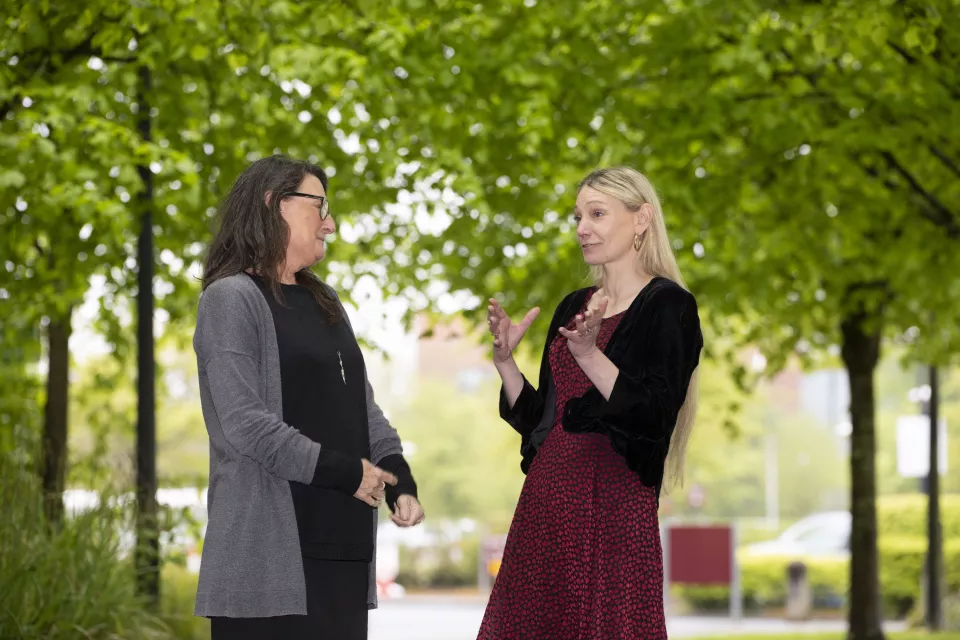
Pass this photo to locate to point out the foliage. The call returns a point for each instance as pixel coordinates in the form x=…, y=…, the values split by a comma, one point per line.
x=442, y=566
x=442, y=422
x=748, y=108
x=79, y=579
x=459, y=438
x=103, y=413
x=102, y=406
x=903, y=546
x=792, y=216
x=71, y=581
x=764, y=584
x=809, y=463
x=764, y=579
x=906, y=515
x=20, y=414
x=759, y=126
x=178, y=593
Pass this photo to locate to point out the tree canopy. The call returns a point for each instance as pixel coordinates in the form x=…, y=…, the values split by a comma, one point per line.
x=808, y=156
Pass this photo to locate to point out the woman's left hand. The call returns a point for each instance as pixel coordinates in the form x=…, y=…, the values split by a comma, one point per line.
x=408, y=513
x=582, y=340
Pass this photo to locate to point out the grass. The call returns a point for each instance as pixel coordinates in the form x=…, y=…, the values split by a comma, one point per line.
x=78, y=581
x=72, y=582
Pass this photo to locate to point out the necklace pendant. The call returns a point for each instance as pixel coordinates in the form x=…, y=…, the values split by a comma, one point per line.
x=343, y=373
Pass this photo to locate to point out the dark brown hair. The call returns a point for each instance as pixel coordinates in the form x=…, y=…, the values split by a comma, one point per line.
x=252, y=235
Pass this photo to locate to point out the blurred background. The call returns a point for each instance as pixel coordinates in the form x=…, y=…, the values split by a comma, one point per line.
x=808, y=159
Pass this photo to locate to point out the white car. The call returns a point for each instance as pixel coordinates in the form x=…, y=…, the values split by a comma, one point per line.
x=818, y=535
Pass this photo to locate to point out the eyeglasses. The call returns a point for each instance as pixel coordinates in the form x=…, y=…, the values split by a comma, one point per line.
x=324, y=203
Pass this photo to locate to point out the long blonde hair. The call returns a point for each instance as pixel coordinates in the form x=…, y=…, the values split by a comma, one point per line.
x=655, y=258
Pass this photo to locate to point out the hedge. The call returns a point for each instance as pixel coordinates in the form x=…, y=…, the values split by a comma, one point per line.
x=902, y=522
x=443, y=566
x=906, y=515
x=764, y=579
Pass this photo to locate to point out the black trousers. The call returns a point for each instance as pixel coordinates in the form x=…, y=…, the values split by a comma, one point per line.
x=336, y=608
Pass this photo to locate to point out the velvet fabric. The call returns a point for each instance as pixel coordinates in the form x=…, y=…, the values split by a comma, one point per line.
x=656, y=348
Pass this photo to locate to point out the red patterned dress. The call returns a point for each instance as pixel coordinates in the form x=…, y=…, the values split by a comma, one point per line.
x=583, y=558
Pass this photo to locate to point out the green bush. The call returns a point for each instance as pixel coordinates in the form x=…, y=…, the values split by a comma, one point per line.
x=764, y=584
x=68, y=582
x=902, y=522
x=906, y=515
x=178, y=590
x=901, y=569
x=441, y=566
x=764, y=579
x=77, y=580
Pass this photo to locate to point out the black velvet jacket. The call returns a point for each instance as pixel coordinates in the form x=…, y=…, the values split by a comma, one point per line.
x=656, y=347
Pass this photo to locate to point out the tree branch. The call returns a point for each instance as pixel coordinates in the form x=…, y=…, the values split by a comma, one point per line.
x=940, y=217
x=945, y=159
x=34, y=69
x=936, y=211
x=913, y=60
x=947, y=219
x=903, y=52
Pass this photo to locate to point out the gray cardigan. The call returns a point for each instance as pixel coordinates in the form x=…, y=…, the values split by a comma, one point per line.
x=251, y=565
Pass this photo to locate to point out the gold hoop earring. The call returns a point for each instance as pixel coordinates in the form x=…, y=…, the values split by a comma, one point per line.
x=637, y=241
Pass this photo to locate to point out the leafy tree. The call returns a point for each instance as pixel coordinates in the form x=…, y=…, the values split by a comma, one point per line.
x=801, y=227
x=97, y=98
x=824, y=228
x=134, y=120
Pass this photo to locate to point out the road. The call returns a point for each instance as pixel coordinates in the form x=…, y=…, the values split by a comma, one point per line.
x=424, y=619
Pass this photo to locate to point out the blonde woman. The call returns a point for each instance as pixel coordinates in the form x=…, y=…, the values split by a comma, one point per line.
x=606, y=427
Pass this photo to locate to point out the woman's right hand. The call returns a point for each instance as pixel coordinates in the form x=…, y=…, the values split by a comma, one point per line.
x=506, y=334
x=373, y=484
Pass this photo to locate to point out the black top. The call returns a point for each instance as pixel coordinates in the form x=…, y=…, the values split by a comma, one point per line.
x=656, y=347
x=324, y=396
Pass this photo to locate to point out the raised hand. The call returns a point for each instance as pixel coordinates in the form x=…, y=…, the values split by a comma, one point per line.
x=582, y=340
x=374, y=484
x=506, y=334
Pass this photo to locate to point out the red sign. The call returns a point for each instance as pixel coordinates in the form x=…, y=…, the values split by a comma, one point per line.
x=700, y=555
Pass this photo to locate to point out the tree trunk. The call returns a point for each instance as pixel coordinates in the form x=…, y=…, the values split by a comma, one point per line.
x=147, y=553
x=861, y=352
x=55, y=417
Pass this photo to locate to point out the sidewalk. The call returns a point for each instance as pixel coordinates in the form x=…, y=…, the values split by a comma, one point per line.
x=458, y=617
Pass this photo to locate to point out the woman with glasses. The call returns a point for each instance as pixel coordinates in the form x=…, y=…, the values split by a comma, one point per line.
x=301, y=457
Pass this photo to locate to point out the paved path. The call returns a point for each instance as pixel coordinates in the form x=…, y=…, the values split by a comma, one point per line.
x=443, y=619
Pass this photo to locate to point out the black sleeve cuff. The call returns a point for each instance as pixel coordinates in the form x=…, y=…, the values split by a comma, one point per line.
x=338, y=471
x=397, y=465
x=526, y=411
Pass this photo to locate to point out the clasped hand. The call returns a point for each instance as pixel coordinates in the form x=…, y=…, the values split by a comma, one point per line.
x=372, y=491
x=374, y=483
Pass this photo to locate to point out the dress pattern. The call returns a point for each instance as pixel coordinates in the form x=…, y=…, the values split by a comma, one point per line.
x=583, y=559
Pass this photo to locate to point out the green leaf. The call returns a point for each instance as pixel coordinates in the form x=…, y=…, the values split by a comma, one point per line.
x=12, y=179
x=199, y=52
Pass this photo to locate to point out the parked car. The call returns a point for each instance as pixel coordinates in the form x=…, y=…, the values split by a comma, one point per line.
x=825, y=534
